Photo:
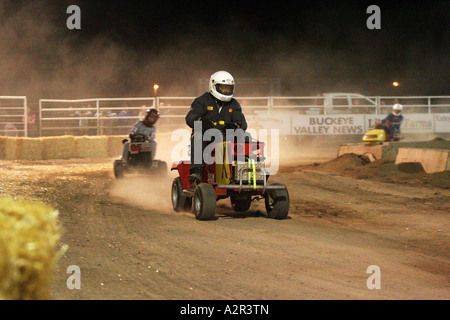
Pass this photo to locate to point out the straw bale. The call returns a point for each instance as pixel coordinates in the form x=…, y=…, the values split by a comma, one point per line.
x=29, y=235
x=63, y=147
x=10, y=148
x=2, y=147
x=28, y=149
x=91, y=147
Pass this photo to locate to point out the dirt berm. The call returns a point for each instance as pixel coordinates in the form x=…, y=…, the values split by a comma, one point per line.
x=389, y=150
x=360, y=167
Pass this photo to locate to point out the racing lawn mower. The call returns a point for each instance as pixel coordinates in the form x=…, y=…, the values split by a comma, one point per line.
x=379, y=134
x=140, y=158
x=239, y=175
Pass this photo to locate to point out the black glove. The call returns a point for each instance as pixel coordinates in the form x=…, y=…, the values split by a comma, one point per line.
x=207, y=124
x=132, y=135
x=231, y=125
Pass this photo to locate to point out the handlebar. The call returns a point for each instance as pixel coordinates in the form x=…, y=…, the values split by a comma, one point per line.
x=138, y=137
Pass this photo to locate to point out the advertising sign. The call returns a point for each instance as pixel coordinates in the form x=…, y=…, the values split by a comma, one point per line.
x=442, y=122
x=327, y=124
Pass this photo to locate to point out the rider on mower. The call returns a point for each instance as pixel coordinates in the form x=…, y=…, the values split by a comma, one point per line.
x=211, y=108
x=145, y=127
x=393, y=121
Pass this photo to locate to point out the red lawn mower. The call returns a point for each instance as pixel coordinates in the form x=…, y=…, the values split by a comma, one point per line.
x=239, y=175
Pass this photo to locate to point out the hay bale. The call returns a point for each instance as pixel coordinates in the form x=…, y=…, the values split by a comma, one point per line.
x=29, y=233
x=2, y=146
x=28, y=149
x=10, y=149
x=63, y=147
x=91, y=147
x=115, y=145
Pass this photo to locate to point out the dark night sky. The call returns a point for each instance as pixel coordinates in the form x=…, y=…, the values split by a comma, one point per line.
x=312, y=46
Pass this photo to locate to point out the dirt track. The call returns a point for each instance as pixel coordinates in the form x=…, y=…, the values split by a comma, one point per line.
x=130, y=244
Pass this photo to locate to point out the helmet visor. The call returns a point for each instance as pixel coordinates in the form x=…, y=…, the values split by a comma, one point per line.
x=225, y=89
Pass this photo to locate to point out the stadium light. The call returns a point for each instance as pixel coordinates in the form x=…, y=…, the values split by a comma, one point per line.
x=155, y=89
x=395, y=84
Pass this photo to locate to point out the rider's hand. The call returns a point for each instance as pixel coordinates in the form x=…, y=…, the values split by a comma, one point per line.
x=207, y=124
x=231, y=125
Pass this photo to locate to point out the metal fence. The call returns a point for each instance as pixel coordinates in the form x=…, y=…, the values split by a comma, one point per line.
x=13, y=116
x=341, y=104
x=174, y=109
x=416, y=104
x=117, y=115
x=110, y=116
x=106, y=116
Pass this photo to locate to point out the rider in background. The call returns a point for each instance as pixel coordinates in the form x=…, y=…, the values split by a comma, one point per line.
x=145, y=127
x=393, y=121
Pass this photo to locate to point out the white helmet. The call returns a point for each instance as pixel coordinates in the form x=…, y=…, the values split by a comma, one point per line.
x=397, y=108
x=221, y=86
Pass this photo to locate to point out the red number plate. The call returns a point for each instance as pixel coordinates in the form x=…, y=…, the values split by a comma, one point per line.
x=135, y=148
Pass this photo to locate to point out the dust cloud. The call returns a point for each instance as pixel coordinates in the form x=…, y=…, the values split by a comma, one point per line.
x=112, y=57
x=41, y=58
x=144, y=192
x=147, y=191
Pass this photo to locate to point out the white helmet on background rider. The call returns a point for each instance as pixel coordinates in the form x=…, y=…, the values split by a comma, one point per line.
x=221, y=86
x=397, y=109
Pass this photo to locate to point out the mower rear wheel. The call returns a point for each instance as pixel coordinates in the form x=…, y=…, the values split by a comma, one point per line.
x=118, y=169
x=277, y=202
x=179, y=201
x=205, y=202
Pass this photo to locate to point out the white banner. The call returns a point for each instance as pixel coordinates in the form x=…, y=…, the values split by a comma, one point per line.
x=281, y=122
x=327, y=124
x=412, y=123
x=371, y=120
x=442, y=122
x=346, y=124
x=417, y=123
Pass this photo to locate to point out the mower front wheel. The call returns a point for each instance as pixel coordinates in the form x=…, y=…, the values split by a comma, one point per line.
x=277, y=202
x=205, y=202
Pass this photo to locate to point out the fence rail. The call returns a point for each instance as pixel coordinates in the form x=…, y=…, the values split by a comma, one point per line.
x=109, y=116
x=91, y=116
x=117, y=115
x=13, y=116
